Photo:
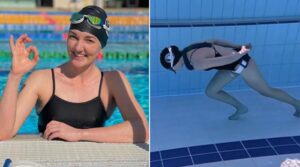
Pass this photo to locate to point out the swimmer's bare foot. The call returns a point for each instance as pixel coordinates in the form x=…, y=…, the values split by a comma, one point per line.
x=238, y=113
x=297, y=113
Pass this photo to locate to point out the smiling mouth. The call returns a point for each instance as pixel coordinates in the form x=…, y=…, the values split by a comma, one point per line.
x=78, y=55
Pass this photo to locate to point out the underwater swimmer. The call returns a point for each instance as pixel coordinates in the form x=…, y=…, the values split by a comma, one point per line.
x=230, y=60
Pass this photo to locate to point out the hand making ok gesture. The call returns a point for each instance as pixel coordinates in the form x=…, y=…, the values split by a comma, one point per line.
x=21, y=63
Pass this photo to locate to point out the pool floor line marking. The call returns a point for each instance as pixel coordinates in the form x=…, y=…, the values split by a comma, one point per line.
x=270, y=146
x=161, y=159
x=190, y=155
x=245, y=149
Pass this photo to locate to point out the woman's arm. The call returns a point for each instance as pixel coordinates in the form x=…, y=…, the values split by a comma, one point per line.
x=223, y=60
x=224, y=43
x=15, y=108
x=135, y=126
x=8, y=106
x=130, y=131
x=133, y=129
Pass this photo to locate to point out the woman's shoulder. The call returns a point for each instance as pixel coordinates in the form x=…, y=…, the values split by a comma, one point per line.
x=114, y=75
x=39, y=75
x=116, y=82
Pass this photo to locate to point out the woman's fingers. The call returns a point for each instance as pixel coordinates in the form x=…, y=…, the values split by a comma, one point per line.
x=54, y=135
x=244, y=50
x=25, y=39
x=21, y=39
x=21, y=62
x=50, y=130
x=35, y=53
x=50, y=133
x=28, y=39
x=52, y=123
x=11, y=42
x=46, y=133
x=19, y=43
x=53, y=130
x=36, y=57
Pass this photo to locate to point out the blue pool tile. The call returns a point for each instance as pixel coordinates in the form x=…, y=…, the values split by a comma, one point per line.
x=203, y=149
x=281, y=141
x=255, y=143
x=179, y=152
x=206, y=158
x=229, y=146
x=290, y=149
x=177, y=162
x=225, y=151
x=297, y=139
x=154, y=156
x=238, y=154
x=156, y=164
x=260, y=152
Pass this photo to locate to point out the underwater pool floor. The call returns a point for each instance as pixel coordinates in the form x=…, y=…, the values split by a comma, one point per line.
x=200, y=125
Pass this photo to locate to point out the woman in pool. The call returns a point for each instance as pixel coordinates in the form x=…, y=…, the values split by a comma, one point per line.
x=230, y=60
x=74, y=99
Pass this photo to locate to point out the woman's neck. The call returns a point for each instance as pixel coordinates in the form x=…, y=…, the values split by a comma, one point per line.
x=83, y=73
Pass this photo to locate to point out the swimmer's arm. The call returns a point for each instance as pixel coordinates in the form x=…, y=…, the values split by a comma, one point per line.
x=133, y=129
x=126, y=132
x=14, y=106
x=8, y=105
x=224, y=43
x=218, y=61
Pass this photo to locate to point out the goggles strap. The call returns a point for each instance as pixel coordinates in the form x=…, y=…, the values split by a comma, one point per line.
x=171, y=56
x=81, y=19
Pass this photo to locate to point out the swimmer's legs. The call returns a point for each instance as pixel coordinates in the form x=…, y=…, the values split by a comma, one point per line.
x=214, y=90
x=255, y=80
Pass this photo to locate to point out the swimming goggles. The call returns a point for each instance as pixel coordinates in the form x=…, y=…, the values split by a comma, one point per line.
x=170, y=59
x=94, y=21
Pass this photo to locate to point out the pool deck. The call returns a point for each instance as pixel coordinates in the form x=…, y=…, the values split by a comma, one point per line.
x=34, y=149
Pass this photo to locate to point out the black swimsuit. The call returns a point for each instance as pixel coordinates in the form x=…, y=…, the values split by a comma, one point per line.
x=83, y=115
x=230, y=66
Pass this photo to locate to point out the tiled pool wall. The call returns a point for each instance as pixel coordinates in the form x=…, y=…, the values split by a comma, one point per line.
x=203, y=154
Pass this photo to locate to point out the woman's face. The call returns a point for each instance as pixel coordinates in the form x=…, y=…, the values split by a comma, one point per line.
x=83, y=48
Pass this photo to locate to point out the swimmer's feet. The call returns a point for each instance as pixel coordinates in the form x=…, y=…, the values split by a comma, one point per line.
x=238, y=113
x=297, y=113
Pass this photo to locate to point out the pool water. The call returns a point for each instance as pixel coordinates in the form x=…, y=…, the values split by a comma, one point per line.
x=136, y=71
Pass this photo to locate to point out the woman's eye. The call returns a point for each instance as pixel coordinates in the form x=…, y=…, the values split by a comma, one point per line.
x=72, y=36
x=90, y=41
